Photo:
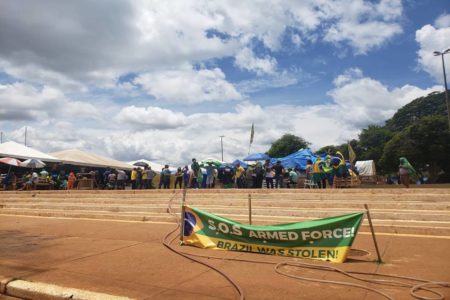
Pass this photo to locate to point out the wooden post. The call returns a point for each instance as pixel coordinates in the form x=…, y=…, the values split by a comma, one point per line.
x=183, y=203
x=373, y=233
x=250, y=209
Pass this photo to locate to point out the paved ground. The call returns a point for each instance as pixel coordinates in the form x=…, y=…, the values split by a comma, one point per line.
x=128, y=259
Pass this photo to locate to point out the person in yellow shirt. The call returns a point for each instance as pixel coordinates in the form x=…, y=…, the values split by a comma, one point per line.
x=133, y=178
x=239, y=176
x=318, y=174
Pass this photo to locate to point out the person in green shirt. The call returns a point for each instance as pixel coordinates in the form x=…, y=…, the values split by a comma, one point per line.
x=328, y=170
x=293, y=178
x=195, y=174
x=405, y=170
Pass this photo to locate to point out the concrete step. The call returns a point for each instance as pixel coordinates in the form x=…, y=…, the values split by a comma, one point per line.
x=413, y=211
x=307, y=204
x=230, y=192
x=318, y=212
x=381, y=226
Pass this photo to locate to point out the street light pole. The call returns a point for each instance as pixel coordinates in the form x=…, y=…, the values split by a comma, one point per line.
x=437, y=53
x=221, y=144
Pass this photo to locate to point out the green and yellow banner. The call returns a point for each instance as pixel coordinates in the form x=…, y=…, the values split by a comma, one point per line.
x=324, y=239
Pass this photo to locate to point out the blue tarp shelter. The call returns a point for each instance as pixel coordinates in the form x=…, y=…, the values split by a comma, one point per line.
x=257, y=156
x=297, y=159
x=243, y=164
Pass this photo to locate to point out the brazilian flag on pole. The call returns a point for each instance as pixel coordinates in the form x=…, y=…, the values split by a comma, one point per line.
x=351, y=154
x=252, y=133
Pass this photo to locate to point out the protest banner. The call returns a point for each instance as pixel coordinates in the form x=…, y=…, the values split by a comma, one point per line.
x=324, y=239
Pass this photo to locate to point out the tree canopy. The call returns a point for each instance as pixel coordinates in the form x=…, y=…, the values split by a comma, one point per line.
x=418, y=131
x=286, y=145
x=424, y=143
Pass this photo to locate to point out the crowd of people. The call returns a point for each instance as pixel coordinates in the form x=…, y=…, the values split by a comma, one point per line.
x=320, y=174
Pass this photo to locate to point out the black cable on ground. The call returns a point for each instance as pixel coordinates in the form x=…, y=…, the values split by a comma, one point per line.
x=424, y=285
x=167, y=244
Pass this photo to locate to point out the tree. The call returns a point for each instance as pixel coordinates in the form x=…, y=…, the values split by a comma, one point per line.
x=286, y=145
x=372, y=141
x=426, y=144
x=432, y=104
x=330, y=149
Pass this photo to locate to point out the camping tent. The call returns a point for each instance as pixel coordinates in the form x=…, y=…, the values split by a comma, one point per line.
x=81, y=158
x=16, y=150
x=256, y=156
x=297, y=159
x=366, y=168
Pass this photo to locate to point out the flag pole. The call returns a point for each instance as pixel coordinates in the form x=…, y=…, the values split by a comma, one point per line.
x=183, y=206
x=252, y=133
x=373, y=233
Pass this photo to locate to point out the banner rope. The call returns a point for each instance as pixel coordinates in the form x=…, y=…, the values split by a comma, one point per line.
x=424, y=285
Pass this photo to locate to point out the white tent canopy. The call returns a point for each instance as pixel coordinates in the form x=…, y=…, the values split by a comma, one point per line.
x=155, y=166
x=81, y=158
x=16, y=150
x=366, y=167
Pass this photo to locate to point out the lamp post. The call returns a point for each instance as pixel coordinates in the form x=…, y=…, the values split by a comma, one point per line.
x=437, y=53
x=221, y=144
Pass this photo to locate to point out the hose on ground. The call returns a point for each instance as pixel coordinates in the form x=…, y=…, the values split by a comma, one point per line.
x=423, y=285
x=186, y=255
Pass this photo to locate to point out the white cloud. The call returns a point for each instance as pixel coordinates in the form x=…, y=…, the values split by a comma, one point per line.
x=362, y=24
x=247, y=60
x=361, y=101
x=187, y=85
x=442, y=21
x=22, y=101
x=150, y=117
x=167, y=136
x=348, y=76
x=87, y=47
x=65, y=56
x=276, y=80
x=432, y=39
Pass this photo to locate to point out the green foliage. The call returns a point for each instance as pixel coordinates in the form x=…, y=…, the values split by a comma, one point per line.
x=371, y=142
x=331, y=149
x=418, y=131
x=433, y=104
x=286, y=145
x=426, y=144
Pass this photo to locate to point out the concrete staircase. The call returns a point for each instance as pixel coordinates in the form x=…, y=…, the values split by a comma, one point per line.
x=422, y=211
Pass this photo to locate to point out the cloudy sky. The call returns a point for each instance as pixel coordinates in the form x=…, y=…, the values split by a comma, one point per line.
x=162, y=80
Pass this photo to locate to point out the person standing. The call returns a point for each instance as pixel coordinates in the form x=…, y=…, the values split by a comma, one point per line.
x=209, y=175
x=106, y=177
x=195, y=174
x=317, y=174
x=139, y=174
x=161, y=179
x=258, y=173
x=239, y=176
x=149, y=180
x=405, y=170
x=120, y=179
x=328, y=169
x=179, y=178
x=186, y=176
x=269, y=174
x=279, y=172
x=71, y=181
x=133, y=178
x=293, y=178
x=166, y=176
